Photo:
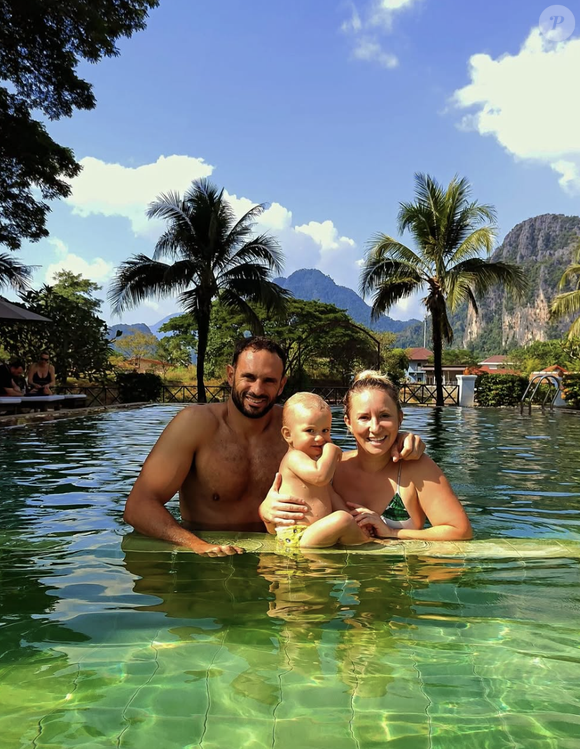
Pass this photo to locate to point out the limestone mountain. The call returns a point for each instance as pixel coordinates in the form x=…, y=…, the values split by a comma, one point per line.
x=313, y=285
x=543, y=246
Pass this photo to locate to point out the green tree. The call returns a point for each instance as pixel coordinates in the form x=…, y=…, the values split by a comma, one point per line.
x=77, y=339
x=450, y=232
x=41, y=45
x=182, y=341
x=568, y=302
x=541, y=354
x=173, y=350
x=137, y=346
x=212, y=253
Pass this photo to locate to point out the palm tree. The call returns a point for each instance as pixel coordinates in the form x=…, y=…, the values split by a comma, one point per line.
x=14, y=274
x=568, y=303
x=212, y=254
x=450, y=233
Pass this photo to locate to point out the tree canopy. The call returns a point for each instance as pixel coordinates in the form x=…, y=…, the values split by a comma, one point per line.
x=76, y=339
x=41, y=44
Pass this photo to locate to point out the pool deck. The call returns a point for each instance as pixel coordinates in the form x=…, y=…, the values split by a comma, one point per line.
x=497, y=548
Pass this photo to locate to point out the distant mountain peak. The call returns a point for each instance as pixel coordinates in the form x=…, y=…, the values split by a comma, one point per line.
x=311, y=284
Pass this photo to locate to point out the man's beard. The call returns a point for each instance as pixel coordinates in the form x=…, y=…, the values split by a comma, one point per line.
x=238, y=402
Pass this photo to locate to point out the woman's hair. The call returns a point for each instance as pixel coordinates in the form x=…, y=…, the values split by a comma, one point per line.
x=370, y=379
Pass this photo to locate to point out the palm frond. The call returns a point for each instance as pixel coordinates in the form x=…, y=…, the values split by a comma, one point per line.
x=571, y=273
x=138, y=279
x=482, y=275
x=264, y=249
x=233, y=301
x=387, y=295
x=389, y=260
x=14, y=274
x=476, y=242
x=566, y=304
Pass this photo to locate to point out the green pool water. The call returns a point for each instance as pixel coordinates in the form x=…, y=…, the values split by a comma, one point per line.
x=108, y=639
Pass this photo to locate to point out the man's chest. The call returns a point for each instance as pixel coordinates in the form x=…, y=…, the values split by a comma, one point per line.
x=231, y=471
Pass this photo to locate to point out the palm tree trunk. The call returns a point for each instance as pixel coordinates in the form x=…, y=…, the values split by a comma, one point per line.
x=437, y=357
x=202, y=336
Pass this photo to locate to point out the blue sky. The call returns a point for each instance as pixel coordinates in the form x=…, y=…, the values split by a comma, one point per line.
x=324, y=110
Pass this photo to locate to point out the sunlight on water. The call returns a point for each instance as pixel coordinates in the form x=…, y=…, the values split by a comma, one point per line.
x=108, y=643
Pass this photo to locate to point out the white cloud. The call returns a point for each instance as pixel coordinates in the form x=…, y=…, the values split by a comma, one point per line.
x=325, y=234
x=371, y=51
x=97, y=270
x=116, y=190
x=365, y=29
x=527, y=103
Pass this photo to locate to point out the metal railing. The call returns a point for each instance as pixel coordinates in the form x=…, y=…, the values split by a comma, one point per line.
x=107, y=395
x=97, y=395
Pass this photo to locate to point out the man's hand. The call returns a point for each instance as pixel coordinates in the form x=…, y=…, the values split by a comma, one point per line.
x=407, y=447
x=281, y=509
x=212, y=550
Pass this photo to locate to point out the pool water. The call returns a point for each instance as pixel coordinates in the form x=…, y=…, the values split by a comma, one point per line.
x=109, y=640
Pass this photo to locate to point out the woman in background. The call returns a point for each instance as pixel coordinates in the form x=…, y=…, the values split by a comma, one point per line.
x=40, y=376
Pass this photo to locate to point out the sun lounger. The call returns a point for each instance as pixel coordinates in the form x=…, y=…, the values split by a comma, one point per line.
x=75, y=400
x=41, y=401
x=9, y=402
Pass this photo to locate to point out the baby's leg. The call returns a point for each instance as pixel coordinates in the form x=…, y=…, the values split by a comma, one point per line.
x=338, y=527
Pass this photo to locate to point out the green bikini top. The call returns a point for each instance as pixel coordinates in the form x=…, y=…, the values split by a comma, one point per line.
x=396, y=509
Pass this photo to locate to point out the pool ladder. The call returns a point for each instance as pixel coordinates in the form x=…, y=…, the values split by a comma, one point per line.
x=532, y=389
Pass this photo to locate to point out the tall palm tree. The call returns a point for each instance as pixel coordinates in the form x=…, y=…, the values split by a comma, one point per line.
x=13, y=274
x=212, y=254
x=568, y=303
x=450, y=232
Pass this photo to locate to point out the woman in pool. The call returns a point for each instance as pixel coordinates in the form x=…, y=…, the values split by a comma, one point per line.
x=392, y=500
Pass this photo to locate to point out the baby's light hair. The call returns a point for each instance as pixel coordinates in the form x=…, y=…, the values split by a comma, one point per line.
x=371, y=379
x=307, y=400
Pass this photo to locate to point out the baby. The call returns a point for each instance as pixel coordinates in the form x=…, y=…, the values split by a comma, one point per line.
x=307, y=470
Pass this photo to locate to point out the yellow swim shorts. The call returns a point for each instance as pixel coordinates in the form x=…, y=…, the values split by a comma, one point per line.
x=290, y=536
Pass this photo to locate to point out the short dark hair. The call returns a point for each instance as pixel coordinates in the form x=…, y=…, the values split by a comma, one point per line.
x=259, y=343
x=16, y=363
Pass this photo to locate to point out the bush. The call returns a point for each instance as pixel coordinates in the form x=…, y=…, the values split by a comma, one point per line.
x=136, y=388
x=499, y=389
x=572, y=389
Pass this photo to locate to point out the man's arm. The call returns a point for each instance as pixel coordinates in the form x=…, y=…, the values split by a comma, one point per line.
x=161, y=477
x=408, y=446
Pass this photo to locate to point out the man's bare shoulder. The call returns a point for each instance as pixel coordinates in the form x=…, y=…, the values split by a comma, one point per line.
x=201, y=419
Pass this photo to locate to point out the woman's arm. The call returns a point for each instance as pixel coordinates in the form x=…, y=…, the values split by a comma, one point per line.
x=52, y=382
x=440, y=505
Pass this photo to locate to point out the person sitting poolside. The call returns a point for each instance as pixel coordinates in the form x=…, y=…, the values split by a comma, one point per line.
x=389, y=498
x=307, y=470
x=40, y=377
x=222, y=458
x=9, y=373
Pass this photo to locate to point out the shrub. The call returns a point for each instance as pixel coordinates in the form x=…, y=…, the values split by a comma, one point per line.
x=499, y=390
x=135, y=387
x=572, y=389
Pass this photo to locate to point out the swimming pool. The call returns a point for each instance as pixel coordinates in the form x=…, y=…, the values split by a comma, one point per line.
x=112, y=641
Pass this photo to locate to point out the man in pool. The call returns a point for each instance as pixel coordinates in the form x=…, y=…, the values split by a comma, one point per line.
x=222, y=458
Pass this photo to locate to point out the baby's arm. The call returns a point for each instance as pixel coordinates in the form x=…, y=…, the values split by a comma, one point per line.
x=316, y=472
